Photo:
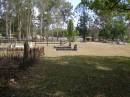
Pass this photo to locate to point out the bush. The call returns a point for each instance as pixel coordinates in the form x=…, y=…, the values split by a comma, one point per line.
x=128, y=40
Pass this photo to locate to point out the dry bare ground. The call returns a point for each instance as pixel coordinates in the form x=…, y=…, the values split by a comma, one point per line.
x=88, y=48
x=91, y=49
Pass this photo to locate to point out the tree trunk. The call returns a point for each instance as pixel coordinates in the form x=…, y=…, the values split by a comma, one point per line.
x=41, y=25
x=84, y=36
x=6, y=25
x=29, y=20
x=10, y=29
x=28, y=27
x=19, y=29
x=7, y=18
x=129, y=30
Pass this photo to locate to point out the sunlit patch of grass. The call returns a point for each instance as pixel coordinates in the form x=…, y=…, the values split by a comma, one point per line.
x=103, y=68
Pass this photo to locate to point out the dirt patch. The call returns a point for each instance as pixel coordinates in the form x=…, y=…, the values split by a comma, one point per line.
x=91, y=49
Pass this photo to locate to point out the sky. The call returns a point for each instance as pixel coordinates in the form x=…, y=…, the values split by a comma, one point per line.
x=74, y=2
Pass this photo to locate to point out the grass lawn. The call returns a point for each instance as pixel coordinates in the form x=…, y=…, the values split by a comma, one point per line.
x=73, y=76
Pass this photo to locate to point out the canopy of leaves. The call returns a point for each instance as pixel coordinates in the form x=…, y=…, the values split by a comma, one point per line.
x=25, y=15
x=116, y=30
x=70, y=28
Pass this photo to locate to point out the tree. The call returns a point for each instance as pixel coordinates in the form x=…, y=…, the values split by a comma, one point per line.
x=18, y=16
x=70, y=30
x=7, y=8
x=43, y=6
x=105, y=31
x=109, y=5
x=84, y=18
x=66, y=11
x=119, y=30
x=115, y=7
x=114, y=30
x=82, y=25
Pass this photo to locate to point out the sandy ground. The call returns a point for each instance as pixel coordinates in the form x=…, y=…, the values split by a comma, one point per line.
x=90, y=48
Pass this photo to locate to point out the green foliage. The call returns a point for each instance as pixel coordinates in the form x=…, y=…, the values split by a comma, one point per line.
x=108, y=10
x=119, y=30
x=66, y=11
x=76, y=33
x=21, y=14
x=83, y=9
x=2, y=34
x=2, y=26
x=82, y=25
x=115, y=30
x=105, y=32
x=128, y=40
x=70, y=28
x=109, y=5
x=59, y=32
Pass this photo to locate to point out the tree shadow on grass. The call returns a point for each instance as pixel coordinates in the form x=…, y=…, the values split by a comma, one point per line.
x=90, y=76
x=76, y=76
x=11, y=70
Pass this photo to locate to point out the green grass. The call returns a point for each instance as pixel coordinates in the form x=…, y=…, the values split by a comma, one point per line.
x=74, y=76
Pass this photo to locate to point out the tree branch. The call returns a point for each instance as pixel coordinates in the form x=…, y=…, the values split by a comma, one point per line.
x=116, y=3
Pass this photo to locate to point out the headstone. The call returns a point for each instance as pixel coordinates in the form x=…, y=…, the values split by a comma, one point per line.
x=75, y=47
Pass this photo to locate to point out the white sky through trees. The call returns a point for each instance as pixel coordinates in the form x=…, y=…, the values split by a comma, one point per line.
x=74, y=2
